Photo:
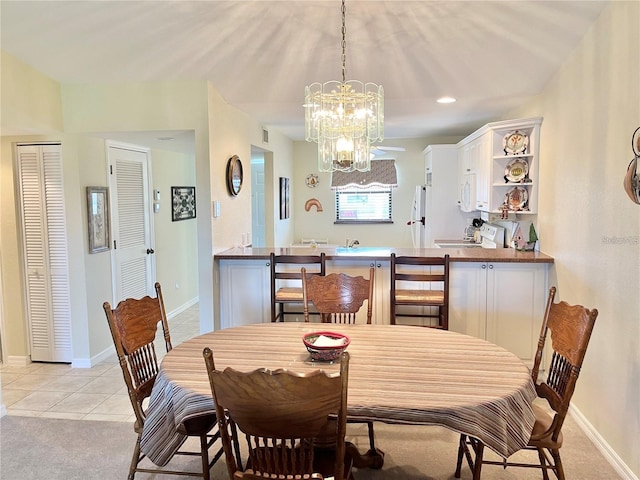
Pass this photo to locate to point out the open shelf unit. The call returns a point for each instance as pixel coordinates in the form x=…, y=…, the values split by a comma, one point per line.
x=519, y=191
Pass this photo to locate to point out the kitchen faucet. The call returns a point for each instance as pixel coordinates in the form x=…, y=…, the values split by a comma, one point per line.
x=352, y=243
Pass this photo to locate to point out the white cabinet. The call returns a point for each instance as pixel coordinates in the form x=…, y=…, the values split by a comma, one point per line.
x=499, y=302
x=381, y=285
x=472, y=173
x=245, y=292
x=502, y=158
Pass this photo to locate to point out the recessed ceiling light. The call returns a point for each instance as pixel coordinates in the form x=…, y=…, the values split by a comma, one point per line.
x=446, y=100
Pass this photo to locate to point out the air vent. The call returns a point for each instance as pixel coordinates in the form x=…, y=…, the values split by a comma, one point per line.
x=265, y=135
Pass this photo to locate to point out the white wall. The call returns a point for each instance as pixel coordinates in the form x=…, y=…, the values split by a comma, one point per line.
x=586, y=221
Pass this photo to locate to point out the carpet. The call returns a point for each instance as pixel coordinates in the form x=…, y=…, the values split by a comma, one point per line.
x=52, y=449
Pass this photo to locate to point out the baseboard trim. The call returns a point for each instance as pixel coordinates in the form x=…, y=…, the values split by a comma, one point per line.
x=182, y=307
x=601, y=444
x=18, y=360
x=111, y=350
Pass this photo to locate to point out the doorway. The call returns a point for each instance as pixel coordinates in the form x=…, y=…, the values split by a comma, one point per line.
x=258, y=222
x=132, y=243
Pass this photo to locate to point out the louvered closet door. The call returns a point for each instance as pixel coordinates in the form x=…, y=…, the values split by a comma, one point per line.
x=133, y=262
x=44, y=241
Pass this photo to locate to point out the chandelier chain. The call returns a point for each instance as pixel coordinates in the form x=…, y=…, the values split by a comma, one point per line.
x=344, y=42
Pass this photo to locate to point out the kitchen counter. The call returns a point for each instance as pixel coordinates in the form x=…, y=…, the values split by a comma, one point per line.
x=497, y=255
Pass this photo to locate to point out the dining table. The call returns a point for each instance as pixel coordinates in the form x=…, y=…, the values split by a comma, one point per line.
x=397, y=375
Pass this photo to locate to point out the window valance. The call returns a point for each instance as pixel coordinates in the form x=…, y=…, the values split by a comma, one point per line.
x=383, y=173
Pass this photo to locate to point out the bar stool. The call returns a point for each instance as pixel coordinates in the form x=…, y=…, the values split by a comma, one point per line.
x=286, y=281
x=435, y=274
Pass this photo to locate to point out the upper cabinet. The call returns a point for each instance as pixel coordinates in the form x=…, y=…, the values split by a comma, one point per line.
x=502, y=159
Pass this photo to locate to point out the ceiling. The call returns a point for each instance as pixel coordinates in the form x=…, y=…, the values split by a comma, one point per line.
x=260, y=54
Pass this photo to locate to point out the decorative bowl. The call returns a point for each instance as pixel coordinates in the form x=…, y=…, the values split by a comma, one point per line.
x=330, y=347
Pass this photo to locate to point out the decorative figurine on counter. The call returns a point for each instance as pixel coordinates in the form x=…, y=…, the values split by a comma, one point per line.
x=525, y=236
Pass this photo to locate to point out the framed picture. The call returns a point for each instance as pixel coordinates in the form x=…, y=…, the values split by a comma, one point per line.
x=98, y=217
x=284, y=198
x=183, y=203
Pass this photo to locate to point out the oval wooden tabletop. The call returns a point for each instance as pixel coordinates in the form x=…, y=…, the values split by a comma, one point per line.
x=397, y=374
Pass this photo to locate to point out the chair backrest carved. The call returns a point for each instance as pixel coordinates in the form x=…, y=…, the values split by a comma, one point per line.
x=282, y=416
x=569, y=329
x=134, y=324
x=337, y=297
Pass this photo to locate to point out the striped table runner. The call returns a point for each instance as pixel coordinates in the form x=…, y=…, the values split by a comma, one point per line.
x=397, y=374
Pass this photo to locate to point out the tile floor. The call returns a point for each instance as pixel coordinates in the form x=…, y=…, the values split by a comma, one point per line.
x=56, y=390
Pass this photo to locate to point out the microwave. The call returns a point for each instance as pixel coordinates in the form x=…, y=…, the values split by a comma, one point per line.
x=467, y=197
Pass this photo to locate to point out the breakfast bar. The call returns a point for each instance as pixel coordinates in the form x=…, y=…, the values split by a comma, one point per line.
x=495, y=294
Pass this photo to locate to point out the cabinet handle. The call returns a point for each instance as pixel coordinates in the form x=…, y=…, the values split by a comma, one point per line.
x=490, y=267
x=379, y=265
x=150, y=251
x=484, y=266
x=372, y=264
x=268, y=264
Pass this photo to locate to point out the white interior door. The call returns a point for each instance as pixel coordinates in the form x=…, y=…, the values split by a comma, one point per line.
x=45, y=257
x=132, y=252
x=258, y=225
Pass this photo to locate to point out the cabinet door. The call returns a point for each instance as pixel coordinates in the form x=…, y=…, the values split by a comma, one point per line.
x=516, y=296
x=482, y=161
x=245, y=295
x=468, y=298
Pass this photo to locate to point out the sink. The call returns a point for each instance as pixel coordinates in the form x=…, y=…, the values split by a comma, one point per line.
x=458, y=245
x=364, y=251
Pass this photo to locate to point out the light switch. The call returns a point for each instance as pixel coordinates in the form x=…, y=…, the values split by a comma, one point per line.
x=216, y=208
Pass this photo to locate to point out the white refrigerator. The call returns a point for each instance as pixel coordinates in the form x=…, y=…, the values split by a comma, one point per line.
x=435, y=214
x=420, y=228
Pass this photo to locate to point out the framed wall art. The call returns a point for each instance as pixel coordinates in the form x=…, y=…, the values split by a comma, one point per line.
x=183, y=203
x=98, y=218
x=284, y=198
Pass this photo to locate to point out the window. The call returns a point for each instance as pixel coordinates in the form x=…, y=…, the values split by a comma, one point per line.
x=363, y=205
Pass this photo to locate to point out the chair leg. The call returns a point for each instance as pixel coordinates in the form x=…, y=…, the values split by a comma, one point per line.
x=461, y=447
x=372, y=443
x=135, y=458
x=477, y=467
x=204, y=454
x=543, y=464
x=556, y=457
x=236, y=445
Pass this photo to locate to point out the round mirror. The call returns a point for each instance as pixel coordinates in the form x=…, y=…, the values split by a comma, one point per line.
x=234, y=175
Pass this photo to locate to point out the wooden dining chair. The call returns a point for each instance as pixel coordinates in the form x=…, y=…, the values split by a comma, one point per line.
x=286, y=282
x=134, y=324
x=422, y=284
x=569, y=328
x=337, y=297
x=294, y=425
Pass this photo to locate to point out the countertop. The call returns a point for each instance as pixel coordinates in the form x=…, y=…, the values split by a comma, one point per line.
x=498, y=255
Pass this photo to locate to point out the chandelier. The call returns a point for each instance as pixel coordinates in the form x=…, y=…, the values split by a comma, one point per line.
x=344, y=118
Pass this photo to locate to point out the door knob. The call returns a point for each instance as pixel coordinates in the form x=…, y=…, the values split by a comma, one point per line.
x=150, y=250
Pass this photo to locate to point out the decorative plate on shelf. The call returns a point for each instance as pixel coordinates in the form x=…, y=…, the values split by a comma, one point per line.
x=515, y=142
x=516, y=170
x=517, y=198
x=312, y=180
